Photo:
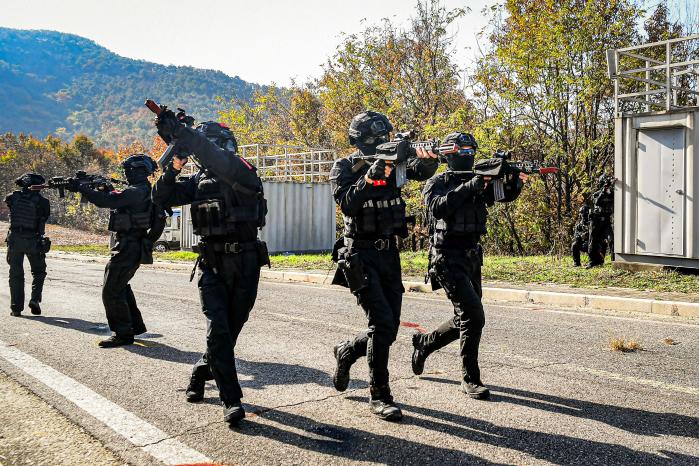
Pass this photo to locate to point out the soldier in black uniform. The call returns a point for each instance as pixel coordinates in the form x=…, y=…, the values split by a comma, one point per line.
x=457, y=202
x=227, y=208
x=29, y=211
x=131, y=217
x=601, y=233
x=580, y=234
x=368, y=260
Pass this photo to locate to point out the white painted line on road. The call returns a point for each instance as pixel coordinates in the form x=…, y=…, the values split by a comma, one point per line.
x=143, y=435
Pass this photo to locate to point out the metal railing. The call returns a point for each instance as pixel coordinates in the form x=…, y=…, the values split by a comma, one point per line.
x=655, y=76
x=287, y=163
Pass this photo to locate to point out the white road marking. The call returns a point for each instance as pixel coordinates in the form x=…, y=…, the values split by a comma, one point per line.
x=143, y=435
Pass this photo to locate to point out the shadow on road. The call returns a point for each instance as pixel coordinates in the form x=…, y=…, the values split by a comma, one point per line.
x=551, y=447
x=351, y=443
x=262, y=374
x=635, y=421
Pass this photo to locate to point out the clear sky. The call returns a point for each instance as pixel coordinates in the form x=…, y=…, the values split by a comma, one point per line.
x=262, y=41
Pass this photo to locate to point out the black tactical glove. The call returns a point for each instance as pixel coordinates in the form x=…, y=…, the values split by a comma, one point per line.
x=377, y=171
x=168, y=125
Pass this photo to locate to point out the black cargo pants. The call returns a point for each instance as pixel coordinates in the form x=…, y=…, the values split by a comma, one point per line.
x=579, y=244
x=459, y=273
x=123, y=315
x=381, y=299
x=599, y=229
x=227, y=296
x=17, y=247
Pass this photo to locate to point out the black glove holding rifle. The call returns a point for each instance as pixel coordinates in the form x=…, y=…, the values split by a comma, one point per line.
x=169, y=124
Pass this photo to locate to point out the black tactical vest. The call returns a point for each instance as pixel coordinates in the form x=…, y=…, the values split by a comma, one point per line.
x=379, y=218
x=24, y=212
x=470, y=217
x=132, y=218
x=605, y=203
x=220, y=209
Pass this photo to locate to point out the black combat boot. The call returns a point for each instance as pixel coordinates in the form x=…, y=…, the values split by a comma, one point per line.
x=233, y=412
x=35, y=308
x=195, y=390
x=419, y=353
x=116, y=340
x=381, y=403
x=476, y=391
x=345, y=359
x=16, y=313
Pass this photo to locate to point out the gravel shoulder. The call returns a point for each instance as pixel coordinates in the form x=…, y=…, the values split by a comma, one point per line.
x=34, y=433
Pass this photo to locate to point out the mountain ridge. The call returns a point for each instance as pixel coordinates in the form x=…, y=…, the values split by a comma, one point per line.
x=65, y=84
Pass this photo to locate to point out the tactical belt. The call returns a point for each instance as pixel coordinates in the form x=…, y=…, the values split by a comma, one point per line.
x=228, y=248
x=24, y=230
x=381, y=244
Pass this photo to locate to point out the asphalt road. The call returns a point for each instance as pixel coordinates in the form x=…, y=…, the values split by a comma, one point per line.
x=560, y=396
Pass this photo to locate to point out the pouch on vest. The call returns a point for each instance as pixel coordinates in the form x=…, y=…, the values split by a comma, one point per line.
x=208, y=218
x=119, y=222
x=44, y=245
x=263, y=254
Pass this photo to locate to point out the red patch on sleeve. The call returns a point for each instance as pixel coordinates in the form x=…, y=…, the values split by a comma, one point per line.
x=246, y=163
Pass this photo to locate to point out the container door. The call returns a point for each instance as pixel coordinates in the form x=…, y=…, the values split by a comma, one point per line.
x=661, y=195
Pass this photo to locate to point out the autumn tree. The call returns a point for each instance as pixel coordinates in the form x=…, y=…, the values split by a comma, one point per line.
x=541, y=88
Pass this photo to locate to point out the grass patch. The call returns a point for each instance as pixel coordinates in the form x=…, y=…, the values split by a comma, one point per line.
x=624, y=346
x=516, y=270
x=88, y=249
x=669, y=341
x=302, y=261
x=176, y=256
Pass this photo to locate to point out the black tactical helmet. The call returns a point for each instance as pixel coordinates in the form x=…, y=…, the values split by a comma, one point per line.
x=369, y=129
x=29, y=179
x=219, y=134
x=139, y=161
x=138, y=168
x=461, y=139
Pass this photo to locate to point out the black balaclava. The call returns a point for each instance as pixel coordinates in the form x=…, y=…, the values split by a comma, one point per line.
x=461, y=161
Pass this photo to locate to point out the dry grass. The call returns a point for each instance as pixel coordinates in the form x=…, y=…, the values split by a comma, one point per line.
x=669, y=341
x=623, y=345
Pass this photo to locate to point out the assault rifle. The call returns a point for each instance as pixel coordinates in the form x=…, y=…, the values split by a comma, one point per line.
x=500, y=165
x=172, y=150
x=96, y=182
x=388, y=151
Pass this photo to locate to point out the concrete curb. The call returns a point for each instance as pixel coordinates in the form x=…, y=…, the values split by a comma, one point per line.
x=505, y=295
x=512, y=295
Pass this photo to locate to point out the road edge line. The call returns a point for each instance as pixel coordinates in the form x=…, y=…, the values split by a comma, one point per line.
x=135, y=430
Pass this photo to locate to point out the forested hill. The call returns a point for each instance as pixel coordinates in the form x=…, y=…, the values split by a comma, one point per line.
x=52, y=82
